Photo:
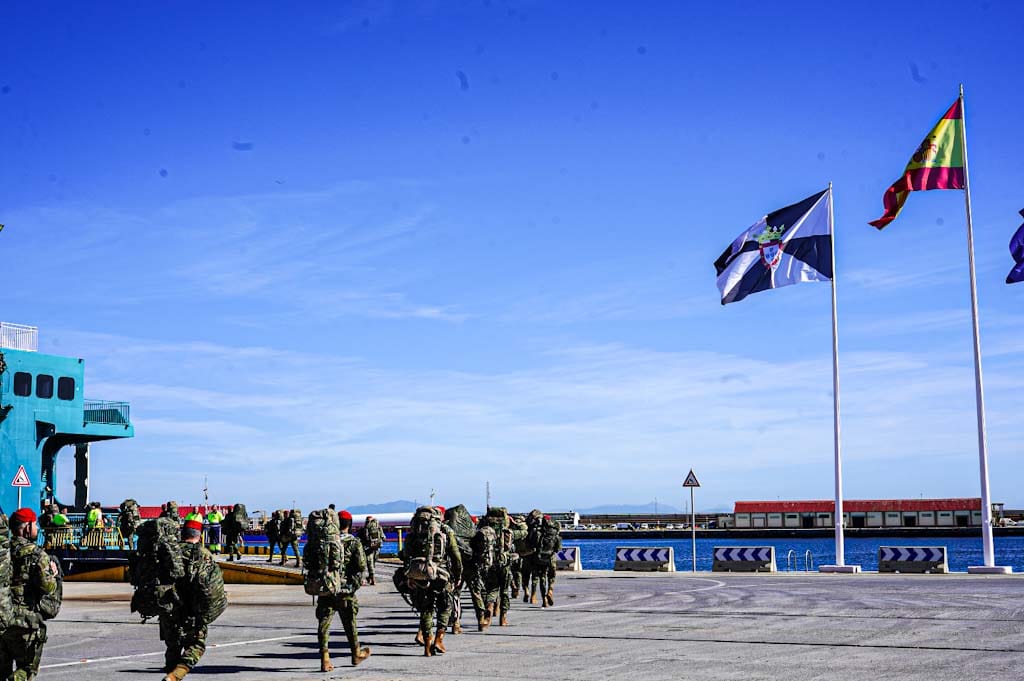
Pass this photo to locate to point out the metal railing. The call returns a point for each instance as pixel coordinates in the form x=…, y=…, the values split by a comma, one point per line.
x=102, y=411
x=19, y=337
x=793, y=561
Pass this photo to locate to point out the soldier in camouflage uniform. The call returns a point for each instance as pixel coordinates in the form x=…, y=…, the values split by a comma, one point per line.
x=291, y=531
x=170, y=510
x=272, y=528
x=492, y=584
x=371, y=536
x=345, y=604
x=33, y=577
x=184, y=629
x=438, y=595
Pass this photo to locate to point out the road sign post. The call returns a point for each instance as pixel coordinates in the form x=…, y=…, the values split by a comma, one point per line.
x=692, y=482
x=20, y=481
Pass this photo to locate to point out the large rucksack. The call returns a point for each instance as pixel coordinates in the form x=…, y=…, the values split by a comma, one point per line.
x=426, y=547
x=324, y=555
x=155, y=566
x=549, y=540
x=497, y=518
x=49, y=604
x=370, y=534
x=291, y=526
x=239, y=515
x=129, y=518
x=203, y=587
x=485, y=548
x=6, y=608
x=461, y=522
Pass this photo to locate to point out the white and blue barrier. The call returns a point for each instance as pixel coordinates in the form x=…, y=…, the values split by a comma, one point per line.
x=921, y=559
x=568, y=558
x=645, y=558
x=744, y=559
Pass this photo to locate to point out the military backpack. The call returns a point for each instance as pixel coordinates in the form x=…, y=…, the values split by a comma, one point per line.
x=370, y=534
x=6, y=608
x=203, y=587
x=239, y=515
x=291, y=526
x=426, y=547
x=461, y=522
x=155, y=566
x=549, y=540
x=324, y=554
x=485, y=548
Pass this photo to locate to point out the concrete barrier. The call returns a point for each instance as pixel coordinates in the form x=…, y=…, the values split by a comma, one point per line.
x=645, y=558
x=919, y=559
x=744, y=559
x=568, y=558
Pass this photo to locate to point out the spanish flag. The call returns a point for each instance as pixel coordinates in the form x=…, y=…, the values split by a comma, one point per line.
x=938, y=163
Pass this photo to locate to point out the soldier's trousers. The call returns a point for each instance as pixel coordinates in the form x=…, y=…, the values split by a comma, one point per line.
x=184, y=644
x=436, y=598
x=294, y=543
x=20, y=652
x=492, y=586
x=544, y=574
x=517, y=574
x=347, y=607
x=371, y=563
x=273, y=543
x=231, y=544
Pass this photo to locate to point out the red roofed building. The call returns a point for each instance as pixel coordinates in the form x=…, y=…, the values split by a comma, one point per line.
x=860, y=513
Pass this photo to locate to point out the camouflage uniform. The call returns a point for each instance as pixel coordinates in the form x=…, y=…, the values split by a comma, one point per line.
x=491, y=586
x=232, y=534
x=21, y=644
x=371, y=553
x=272, y=529
x=291, y=531
x=183, y=631
x=439, y=596
x=346, y=604
x=170, y=510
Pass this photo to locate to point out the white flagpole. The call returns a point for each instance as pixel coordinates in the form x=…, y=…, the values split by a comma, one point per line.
x=986, y=504
x=837, y=516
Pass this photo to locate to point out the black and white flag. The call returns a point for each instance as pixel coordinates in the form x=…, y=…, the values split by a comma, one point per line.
x=787, y=246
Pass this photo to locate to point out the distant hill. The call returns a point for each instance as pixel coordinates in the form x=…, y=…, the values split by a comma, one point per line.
x=627, y=508
x=400, y=506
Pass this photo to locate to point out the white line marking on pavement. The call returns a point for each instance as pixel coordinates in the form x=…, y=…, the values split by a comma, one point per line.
x=130, y=657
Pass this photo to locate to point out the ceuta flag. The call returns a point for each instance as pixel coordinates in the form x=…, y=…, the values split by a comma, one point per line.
x=1016, y=275
x=938, y=163
x=787, y=246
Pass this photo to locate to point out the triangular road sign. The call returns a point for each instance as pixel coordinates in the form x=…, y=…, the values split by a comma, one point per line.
x=691, y=480
x=21, y=478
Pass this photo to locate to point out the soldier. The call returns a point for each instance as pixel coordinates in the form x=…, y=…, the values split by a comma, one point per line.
x=433, y=564
x=371, y=536
x=544, y=562
x=272, y=528
x=345, y=604
x=233, y=531
x=128, y=521
x=493, y=552
x=201, y=599
x=517, y=566
x=461, y=523
x=291, y=531
x=35, y=593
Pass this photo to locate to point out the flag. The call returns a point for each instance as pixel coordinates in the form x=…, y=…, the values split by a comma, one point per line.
x=1017, y=251
x=790, y=245
x=938, y=163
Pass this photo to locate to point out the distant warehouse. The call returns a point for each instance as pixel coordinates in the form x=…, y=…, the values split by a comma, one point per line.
x=860, y=513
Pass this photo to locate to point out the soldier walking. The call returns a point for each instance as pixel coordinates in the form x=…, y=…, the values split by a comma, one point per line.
x=272, y=529
x=291, y=531
x=35, y=592
x=371, y=536
x=344, y=602
x=234, y=528
x=433, y=564
x=201, y=600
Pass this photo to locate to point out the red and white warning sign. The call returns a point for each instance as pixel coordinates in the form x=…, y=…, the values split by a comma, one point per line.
x=21, y=478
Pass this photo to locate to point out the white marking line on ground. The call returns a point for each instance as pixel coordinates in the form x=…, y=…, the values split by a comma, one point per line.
x=130, y=657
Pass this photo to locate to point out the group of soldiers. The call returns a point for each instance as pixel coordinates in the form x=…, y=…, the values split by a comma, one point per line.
x=177, y=580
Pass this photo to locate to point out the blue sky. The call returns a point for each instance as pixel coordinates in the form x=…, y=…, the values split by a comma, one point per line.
x=355, y=251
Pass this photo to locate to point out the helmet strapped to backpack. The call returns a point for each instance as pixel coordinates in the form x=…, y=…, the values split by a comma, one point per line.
x=426, y=547
x=324, y=555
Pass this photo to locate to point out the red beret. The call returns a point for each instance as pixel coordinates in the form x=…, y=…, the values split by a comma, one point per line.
x=193, y=525
x=345, y=515
x=23, y=515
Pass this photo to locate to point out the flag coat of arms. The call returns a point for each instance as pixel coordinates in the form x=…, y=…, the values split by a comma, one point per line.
x=938, y=163
x=787, y=246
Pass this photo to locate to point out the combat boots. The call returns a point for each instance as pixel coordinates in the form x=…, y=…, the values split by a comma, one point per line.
x=533, y=596
x=179, y=672
x=515, y=592
x=439, y=641
x=428, y=645
x=419, y=637
x=325, y=661
x=549, y=597
x=503, y=622
x=457, y=627
x=483, y=620
x=526, y=596
x=360, y=655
